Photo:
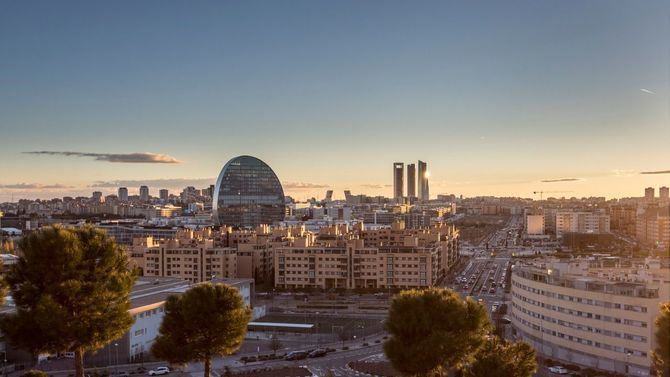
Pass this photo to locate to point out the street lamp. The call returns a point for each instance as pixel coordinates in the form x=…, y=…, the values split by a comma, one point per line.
x=628, y=355
x=116, y=347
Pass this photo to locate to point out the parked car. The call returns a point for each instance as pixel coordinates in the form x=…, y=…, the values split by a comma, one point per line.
x=558, y=369
x=159, y=371
x=296, y=355
x=319, y=352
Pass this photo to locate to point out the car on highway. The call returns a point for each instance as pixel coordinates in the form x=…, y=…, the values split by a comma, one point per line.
x=558, y=369
x=159, y=371
x=492, y=290
x=296, y=355
x=319, y=352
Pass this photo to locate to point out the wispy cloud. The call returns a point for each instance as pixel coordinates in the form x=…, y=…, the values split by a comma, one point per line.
x=623, y=172
x=132, y=158
x=647, y=91
x=167, y=182
x=656, y=172
x=560, y=180
x=374, y=185
x=33, y=186
x=302, y=186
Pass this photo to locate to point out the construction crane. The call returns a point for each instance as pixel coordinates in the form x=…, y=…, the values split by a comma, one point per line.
x=548, y=192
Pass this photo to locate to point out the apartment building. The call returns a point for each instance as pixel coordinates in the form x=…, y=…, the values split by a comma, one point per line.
x=343, y=258
x=597, y=312
x=653, y=227
x=581, y=222
x=202, y=255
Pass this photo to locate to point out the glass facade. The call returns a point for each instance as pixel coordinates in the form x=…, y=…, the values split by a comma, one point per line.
x=247, y=193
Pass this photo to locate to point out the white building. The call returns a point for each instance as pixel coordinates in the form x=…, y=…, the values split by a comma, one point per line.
x=535, y=224
x=581, y=222
x=597, y=312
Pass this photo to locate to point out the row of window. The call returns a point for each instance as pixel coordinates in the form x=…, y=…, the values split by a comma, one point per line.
x=580, y=313
x=580, y=340
x=581, y=300
x=581, y=327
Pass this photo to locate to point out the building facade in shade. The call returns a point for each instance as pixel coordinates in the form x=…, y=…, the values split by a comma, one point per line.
x=398, y=175
x=649, y=194
x=422, y=177
x=664, y=194
x=144, y=193
x=164, y=195
x=123, y=194
x=597, y=312
x=247, y=194
x=411, y=181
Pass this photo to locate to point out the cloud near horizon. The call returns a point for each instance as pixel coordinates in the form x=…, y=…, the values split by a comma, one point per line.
x=130, y=158
x=560, y=180
x=167, y=182
x=656, y=172
x=303, y=186
x=374, y=185
x=33, y=186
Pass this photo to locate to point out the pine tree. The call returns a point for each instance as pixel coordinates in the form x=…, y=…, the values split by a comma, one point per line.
x=662, y=351
x=498, y=358
x=71, y=289
x=433, y=330
x=207, y=320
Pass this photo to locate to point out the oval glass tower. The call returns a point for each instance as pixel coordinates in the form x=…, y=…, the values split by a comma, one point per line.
x=247, y=193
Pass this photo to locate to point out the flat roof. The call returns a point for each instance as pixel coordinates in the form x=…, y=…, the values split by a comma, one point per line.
x=280, y=324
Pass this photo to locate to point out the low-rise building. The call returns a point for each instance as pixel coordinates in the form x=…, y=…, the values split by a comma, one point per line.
x=597, y=312
x=343, y=258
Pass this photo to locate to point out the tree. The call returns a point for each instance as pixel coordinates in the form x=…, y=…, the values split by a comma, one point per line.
x=207, y=320
x=35, y=373
x=71, y=289
x=498, y=358
x=662, y=351
x=433, y=330
x=275, y=343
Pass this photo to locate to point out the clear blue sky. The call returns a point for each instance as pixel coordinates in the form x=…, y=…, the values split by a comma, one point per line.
x=495, y=96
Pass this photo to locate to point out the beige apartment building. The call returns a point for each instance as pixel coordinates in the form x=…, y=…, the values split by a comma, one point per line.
x=344, y=258
x=201, y=255
x=597, y=312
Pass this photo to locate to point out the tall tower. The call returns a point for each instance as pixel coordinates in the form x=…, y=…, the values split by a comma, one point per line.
x=649, y=194
x=411, y=181
x=123, y=194
x=144, y=193
x=164, y=195
x=664, y=193
x=424, y=194
x=398, y=173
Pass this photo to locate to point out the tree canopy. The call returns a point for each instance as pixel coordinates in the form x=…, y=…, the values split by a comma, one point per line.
x=71, y=289
x=662, y=351
x=207, y=320
x=498, y=358
x=433, y=330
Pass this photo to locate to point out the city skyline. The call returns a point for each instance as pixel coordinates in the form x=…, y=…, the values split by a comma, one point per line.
x=569, y=96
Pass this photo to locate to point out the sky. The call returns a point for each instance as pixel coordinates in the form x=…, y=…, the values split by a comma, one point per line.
x=497, y=97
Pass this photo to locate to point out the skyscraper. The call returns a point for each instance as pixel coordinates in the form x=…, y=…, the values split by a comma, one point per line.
x=649, y=193
x=664, y=193
x=123, y=194
x=398, y=173
x=144, y=193
x=164, y=194
x=424, y=194
x=411, y=181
